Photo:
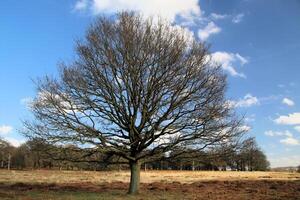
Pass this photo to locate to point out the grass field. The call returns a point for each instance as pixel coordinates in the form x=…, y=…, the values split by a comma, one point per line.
x=73, y=185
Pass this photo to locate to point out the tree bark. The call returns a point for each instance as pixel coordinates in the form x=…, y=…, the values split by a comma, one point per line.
x=134, y=177
x=193, y=166
x=9, y=161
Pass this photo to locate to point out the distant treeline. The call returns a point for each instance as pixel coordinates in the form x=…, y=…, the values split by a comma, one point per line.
x=38, y=154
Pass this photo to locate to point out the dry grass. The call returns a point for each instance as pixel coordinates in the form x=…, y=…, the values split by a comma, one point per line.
x=50, y=176
x=79, y=185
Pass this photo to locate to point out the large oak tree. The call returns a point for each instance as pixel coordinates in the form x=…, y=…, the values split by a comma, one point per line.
x=138, y=88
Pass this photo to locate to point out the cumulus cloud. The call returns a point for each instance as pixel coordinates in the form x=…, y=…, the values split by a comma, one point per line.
x=167, y=138
x=244, y=128
x=187, y=12
x=283, y=161
x=208, y=30
x=290, y=141
x=279, y=133
x=81, y=5
x=297, y=128
x=64, y=101
x=168, y=9
x=288, y=102
x=241, y=59
x=247, y=101
x=216, y=16
x=26, y=101
x=270, y=98
x=228, y=60
x=250, y=118
x=5, y=129
x=187, y=34
x=13, y=141
x=238, y=18
x=234, y=18
x=291, y=119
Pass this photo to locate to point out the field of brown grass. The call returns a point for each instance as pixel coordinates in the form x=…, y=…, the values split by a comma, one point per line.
x=48, y=184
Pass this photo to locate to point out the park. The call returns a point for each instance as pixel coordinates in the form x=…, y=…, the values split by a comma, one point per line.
x=141, y=104
x=166, y=184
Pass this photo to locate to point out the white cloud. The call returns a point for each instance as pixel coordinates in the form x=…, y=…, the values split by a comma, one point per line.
x=290, y=141
x=167, y=138
x=247, y=101
x=5, y=129
x=288, y=102
x=26, y=101
x=291, y=119
x=208, y=30
x=297, y=128
x=81, y=5
x=238, y=18
x=228, y=60
x=65, y=102
x=244, y=128
x=186, y=33
x=250, y=118
x=279, y=133
x=216, y=16
x=168, y=9
x=270, y=98
x=284, y=161
x=14, y=142
x=186, y=11
x=241, y=58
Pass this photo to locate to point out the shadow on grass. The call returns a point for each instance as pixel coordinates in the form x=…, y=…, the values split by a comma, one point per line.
x=252, y=189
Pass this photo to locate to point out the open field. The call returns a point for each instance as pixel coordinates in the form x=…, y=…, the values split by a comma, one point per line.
x=46, y=184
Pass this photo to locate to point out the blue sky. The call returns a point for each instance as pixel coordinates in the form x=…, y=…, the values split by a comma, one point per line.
x=256, y=41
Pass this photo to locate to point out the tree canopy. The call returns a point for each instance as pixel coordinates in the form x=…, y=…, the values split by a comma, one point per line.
x=138, y=88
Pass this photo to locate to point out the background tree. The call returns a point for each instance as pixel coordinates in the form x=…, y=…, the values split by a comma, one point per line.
x=260, y=162
x=7, y=151
x=249, y=157
x=137, y=89
x=40, y=150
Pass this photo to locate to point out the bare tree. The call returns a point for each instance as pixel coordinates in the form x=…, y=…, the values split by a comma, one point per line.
x=137, y=89
x=6, y=150
x=248, y=156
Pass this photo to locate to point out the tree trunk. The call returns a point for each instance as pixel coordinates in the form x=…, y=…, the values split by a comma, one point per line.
x=134, y=177
x=9, y=161
x=193, y=166
x=2, y=158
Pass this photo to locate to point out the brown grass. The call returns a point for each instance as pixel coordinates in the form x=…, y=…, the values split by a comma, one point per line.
x=155, y=185
x=51, y=176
